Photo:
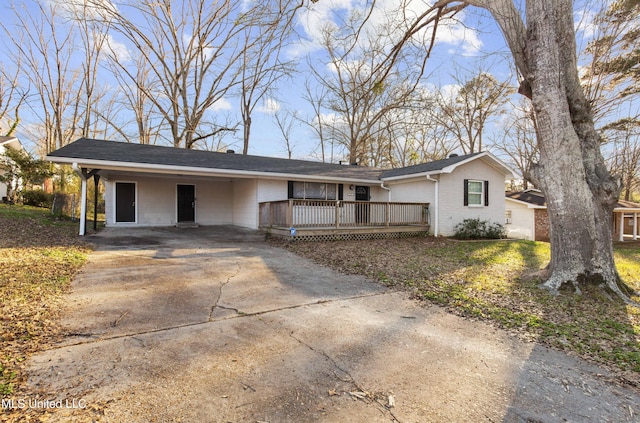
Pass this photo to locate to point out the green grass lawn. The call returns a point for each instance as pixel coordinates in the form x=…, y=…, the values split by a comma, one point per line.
x=39, y=254
x=496, y=281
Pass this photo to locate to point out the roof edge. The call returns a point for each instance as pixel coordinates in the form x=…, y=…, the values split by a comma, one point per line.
x=196, y=171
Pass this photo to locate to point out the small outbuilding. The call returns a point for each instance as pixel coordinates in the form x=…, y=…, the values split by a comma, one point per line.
x=527, y=218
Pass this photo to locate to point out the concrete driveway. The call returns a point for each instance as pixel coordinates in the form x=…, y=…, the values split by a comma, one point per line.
x=215, y=325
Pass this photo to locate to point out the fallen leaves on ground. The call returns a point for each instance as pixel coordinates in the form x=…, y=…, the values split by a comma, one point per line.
x=497, y=281
x=39, y=255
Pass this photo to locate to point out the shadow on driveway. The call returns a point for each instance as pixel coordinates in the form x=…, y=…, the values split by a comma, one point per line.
x=213, y=324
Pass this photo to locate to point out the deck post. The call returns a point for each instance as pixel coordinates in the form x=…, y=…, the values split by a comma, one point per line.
x=387, y=211
x=337, y=212
x=290, y=214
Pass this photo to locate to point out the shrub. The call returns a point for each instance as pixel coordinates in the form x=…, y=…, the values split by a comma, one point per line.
x=37, y=198
x=479, y=229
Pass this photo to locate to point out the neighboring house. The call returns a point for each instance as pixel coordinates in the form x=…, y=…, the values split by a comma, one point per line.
x=5, y=143
x=526, y=215
x=527, y=218
x=162, y=186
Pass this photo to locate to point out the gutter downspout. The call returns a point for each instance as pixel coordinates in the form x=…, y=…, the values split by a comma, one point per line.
x=436, y=213
x=388, y=190
x=83, y=200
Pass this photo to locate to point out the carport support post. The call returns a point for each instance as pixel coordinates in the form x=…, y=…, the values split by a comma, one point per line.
x=84, y=175
x=83, y=202
x=96, y=180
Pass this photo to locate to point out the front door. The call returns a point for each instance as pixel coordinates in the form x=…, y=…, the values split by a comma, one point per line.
x=362, y=209
x=186, y=203
x=125, y=202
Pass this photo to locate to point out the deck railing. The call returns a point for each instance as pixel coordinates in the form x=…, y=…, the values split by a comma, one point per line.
x=336, y=214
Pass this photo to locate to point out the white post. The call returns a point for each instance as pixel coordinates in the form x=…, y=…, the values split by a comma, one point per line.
x=621, y=238
x=83, y=198
x=83, y=207
x=635, y=226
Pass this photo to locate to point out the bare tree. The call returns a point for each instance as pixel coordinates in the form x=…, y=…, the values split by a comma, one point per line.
x=12, y=96
x=192, y=53
x=284, y=122
x=134, y=84
x=518, y=140
x=612, y=84
x=466, y=114
x=45, y=47
x=262, y=64
x=580, y=191
x=612, y=75
x=355, y=91
x=624, y=162
x=59, y=48
x=316, y=97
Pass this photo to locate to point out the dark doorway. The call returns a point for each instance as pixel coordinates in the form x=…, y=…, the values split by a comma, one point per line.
x=186, y=203
x=362, y=209
x=125, y=202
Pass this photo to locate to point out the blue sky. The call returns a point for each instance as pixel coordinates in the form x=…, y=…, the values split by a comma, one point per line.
x=473, y=42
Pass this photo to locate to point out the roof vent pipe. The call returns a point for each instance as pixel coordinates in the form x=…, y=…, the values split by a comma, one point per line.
x=231, y=152
x=452, y=155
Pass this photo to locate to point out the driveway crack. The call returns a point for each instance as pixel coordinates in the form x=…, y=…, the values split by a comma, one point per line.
x=239, y=314
x=220, y=288
x=358, y=391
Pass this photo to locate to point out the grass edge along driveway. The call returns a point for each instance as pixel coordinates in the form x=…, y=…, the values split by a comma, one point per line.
x=39, y=255
x=495, y=281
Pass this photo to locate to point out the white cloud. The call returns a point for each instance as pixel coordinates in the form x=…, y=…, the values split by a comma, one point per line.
x=314, y=20
x=269, y=106
x=94, y=9
x=321, y=15
x=221, y=105
x=450, y=91
x=118, y=50
x=584, y=22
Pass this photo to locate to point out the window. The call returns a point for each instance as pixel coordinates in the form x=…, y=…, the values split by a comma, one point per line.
x=314, y=191
x=508, y=217
x=476, y=193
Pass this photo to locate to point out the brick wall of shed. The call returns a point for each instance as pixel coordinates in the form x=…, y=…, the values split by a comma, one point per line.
x=542, y=225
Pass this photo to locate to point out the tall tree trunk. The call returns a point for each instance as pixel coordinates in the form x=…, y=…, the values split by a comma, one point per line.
x=580, y=191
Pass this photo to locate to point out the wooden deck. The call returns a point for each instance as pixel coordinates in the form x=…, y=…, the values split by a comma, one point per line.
x=325, y=220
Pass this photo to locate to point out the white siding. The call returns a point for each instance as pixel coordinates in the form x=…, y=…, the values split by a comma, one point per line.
x=413, y=192
x=157, y=200
x=245, y=203
x=522, y=224
x=272, y=190
x=452, y=208
x=377, y=193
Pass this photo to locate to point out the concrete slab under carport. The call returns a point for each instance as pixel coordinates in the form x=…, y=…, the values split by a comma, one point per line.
x=199, y=325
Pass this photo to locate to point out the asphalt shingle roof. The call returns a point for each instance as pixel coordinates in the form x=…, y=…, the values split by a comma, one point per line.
x=426, y=167
x=112, y=151
x=532, y=197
